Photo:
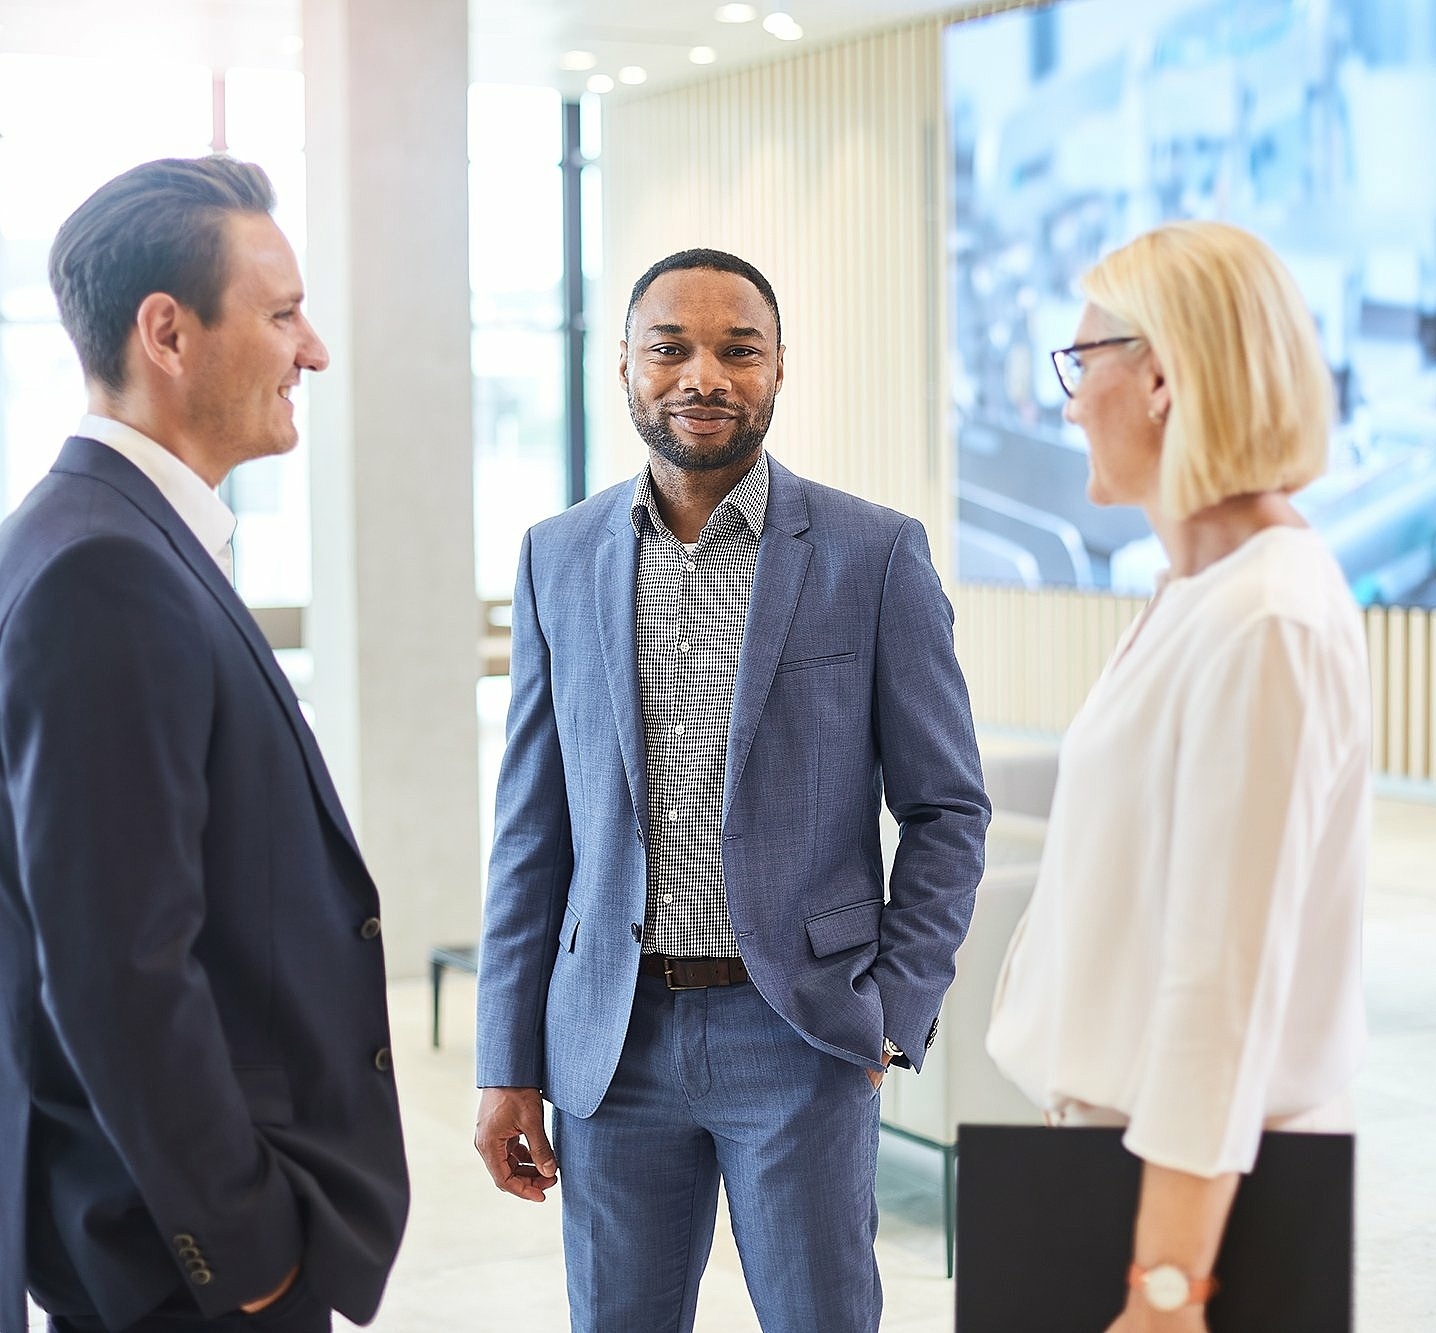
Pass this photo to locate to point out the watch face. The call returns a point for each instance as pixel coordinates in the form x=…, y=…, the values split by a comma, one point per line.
x=1166, y=1287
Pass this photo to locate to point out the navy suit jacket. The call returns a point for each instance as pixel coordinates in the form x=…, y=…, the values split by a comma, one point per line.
x=191, y=1004
x=848, y=690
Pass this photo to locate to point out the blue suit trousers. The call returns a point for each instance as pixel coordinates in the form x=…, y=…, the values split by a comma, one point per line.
x=713, y=1084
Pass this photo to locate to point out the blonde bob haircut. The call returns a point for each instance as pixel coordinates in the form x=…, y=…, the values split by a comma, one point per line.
x=1251, y=396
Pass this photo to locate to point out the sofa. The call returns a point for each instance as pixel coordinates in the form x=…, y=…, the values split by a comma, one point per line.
x=959, y=1082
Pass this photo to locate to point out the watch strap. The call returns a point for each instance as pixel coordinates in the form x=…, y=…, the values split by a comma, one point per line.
x=1199, y=1289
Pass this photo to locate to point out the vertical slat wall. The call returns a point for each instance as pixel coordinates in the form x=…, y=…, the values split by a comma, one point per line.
x=1032, y=655
x=1402, y=644
x=825, y=170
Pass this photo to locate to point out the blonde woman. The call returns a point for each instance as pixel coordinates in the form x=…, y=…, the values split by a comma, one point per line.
x=1189, y=966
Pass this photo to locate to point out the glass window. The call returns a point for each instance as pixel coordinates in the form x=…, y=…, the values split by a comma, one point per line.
x=66, y=126
x=516, y=272
x=264, y=123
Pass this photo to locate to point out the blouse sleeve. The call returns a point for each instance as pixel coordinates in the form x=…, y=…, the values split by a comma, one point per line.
x=1254, y=769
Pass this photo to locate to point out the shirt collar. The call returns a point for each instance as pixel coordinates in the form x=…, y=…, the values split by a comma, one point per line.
x=201, y=509
x=749, y=499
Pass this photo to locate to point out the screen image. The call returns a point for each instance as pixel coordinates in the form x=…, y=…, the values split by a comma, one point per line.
x=1075, y=127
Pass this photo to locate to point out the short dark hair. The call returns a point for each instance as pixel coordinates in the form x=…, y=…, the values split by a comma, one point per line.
x=718, y=260
x=159, y=227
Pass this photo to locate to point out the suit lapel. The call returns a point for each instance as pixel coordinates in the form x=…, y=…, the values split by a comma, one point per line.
x=92, y=459
x=615, y=581
x=777, y=582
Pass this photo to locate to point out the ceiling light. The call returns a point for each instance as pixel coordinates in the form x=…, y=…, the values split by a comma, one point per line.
x=783, y=26
x=577, y=60
x=600, y=83
x=735, y=13
x=633, y=75
x=703, y=55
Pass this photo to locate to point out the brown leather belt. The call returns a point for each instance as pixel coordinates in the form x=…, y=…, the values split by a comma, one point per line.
x=693, y=973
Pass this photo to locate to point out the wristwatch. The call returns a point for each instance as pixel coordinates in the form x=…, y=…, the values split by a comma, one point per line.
x=1167, y=1288
x=891, y=1049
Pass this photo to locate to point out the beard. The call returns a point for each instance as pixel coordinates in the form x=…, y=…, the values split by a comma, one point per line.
x=747, y=437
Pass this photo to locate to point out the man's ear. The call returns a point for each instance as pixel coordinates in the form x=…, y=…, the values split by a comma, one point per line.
x=778, y=384
x=161, y=324
x=623, y=364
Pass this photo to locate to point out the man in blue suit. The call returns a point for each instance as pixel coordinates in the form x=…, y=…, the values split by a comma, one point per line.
x=197, y=1105
x=719, y=669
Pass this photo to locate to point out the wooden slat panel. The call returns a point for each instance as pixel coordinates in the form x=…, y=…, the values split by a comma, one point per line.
x=1376, y=652
x=1396, y=714
x=1418, y=696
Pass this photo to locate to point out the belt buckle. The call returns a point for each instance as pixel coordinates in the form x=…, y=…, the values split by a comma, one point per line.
x=668, y=977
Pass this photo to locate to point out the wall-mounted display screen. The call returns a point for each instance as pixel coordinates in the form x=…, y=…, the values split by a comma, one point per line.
x=1077, y=126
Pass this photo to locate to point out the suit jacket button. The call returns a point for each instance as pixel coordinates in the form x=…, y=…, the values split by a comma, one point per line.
x=183, y=1239
x=383, y=1060
x=202, y=1278
x=637, y=932
x=370, y=928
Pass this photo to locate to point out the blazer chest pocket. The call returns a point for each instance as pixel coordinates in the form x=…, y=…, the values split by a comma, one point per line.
x=849, y=927
x=266, y=1093
x=808, y=663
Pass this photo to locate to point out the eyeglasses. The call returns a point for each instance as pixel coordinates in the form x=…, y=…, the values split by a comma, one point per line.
x=1068, y=364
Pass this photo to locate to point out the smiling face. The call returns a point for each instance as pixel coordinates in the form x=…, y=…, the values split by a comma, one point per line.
x=1120, y=386
x=702, y=368
x=242, y=369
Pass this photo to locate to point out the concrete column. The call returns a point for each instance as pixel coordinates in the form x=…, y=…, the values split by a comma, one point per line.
x=394, y=622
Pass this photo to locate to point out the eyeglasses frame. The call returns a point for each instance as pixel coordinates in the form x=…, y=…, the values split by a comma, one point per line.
x=1085, y=347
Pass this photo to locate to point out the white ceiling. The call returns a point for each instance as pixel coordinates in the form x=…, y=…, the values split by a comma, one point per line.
x=520, y=41
x=513, y=41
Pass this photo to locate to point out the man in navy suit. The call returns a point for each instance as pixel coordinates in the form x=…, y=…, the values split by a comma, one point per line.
x=196, y=1095
x=719, y=670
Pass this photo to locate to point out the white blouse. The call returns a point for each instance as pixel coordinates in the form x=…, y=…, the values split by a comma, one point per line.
x=1191, y=957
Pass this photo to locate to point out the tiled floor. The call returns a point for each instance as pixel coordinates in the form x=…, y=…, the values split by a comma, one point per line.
x=477, y=1262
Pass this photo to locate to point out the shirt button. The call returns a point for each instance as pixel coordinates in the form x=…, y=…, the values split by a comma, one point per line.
x=370, y=928
x=683, y=647
x=689, y=566
x=673, y=816
x=383, y=1060
x=678, y=730
x=668, y=897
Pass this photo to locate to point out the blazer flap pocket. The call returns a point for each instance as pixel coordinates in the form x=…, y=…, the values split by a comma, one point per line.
x=803, y=663
x=848, y=927
x=266, y=1093
x=568, y=931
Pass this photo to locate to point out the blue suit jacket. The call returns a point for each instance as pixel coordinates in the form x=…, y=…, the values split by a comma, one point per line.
x=848, y=690
x=190, y=1005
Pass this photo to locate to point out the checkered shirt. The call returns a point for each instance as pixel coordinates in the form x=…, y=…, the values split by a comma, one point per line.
x=691, y=611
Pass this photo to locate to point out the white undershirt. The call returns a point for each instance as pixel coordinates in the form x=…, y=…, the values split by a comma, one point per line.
x=203, y=512
x=1191, y=957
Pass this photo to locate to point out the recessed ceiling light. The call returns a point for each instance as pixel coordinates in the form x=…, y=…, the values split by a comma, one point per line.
x=577, y=60
x=600, y=83
x=703, y=55
x=633, y=75
x=783, y=26
x=291, y=45
x=735, y=13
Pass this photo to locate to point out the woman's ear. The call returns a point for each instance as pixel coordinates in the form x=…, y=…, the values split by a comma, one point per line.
x=1159, y=396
